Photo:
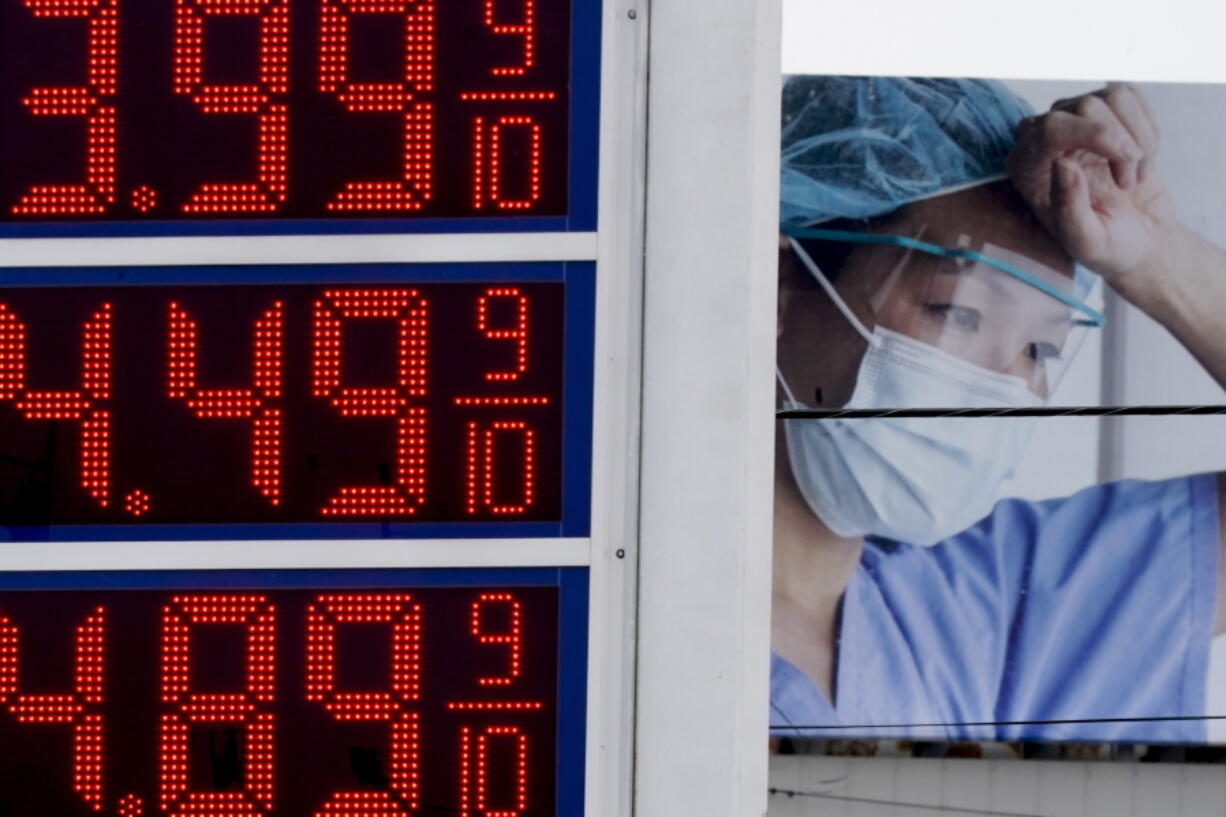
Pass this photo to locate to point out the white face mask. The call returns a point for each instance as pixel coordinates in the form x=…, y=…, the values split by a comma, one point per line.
x=913, y=479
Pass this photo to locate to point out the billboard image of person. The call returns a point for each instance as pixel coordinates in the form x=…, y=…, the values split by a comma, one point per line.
x=947, y=247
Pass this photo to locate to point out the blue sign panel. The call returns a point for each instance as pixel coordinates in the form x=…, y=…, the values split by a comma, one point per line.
x=224, y=117
x=293, y=693
x=328, y=401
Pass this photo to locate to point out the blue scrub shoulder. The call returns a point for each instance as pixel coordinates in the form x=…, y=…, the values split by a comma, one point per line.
x=1094, y=608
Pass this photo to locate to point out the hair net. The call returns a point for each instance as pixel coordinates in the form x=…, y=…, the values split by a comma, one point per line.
x=858, y=147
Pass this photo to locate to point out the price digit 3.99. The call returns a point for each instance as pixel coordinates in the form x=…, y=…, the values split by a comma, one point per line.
x=403, y=96
x=94, y=102
x=264, y=98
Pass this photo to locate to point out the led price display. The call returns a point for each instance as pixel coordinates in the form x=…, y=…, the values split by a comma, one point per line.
x=130, y=110
x=277, y=403
x=280, y=702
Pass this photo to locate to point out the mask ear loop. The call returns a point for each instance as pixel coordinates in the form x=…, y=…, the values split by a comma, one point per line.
x=811, y=265
x=787, y=390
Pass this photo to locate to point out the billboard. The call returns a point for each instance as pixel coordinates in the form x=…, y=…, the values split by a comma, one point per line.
x=961, y=262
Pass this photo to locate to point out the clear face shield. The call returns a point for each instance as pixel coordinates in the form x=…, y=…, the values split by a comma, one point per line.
x=940, y=318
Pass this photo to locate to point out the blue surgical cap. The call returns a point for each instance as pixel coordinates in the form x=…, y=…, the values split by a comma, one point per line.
x=859, y=147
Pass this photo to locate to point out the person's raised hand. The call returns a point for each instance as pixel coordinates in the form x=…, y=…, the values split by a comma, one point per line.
x=1086, y=168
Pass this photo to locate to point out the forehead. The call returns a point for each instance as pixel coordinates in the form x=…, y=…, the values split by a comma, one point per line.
x=989, y=218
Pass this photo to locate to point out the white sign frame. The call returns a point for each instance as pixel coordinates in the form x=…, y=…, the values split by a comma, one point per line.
x=610, y=552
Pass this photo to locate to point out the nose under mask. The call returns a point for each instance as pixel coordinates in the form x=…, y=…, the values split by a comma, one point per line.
x=911, y=479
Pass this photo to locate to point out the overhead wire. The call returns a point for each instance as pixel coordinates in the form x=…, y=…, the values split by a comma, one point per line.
x=1054, y=721
x=901, y=804
x=1037, y=411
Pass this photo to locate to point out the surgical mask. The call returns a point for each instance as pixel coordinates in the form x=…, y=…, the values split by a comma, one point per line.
x=912, y=479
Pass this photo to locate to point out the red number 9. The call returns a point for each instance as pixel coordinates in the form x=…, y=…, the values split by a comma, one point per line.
x=324, y=617
x=269, y=190
x=414, y=187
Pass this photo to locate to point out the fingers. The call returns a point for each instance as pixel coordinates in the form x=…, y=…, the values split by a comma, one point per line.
x=1149, y=112
x=1120, y=108
x=1091, y=127
x=1075, y=220
x=1095, y=109
x=1133, y=112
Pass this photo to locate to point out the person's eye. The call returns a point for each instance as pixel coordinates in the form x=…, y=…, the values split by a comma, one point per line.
x=959, y=318
x=1043, y=352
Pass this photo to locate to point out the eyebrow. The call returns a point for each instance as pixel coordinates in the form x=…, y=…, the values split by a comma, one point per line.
x=998, y=287
x=1093, y=316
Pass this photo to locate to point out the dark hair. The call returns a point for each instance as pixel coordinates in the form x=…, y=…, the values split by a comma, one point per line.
x=831, y=256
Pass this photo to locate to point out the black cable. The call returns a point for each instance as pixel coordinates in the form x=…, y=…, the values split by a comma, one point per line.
x=1003, y=723
x=1042, y=411
x=901, y=804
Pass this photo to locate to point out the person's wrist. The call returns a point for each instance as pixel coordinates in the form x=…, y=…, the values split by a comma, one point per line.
x=1161, y=284
x=1147, y=283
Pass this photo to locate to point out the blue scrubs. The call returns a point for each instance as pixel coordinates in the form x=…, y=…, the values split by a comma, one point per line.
x=1100, y=605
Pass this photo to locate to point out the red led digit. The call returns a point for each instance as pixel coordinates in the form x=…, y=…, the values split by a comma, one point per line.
x=130, y=805
x=525, y=28
x=511, y=638
x=410, y=312
x=480, y=160
x=257, y=403
x=249, y=708
x=324, y=617
x=517, y=333
x=501, y=401
x=507, y=96
x=488, y=171
x=93, y=101
x=81, y=708
x=472, y=468
x=475, y=761
x=89, y=405
x=404, y=96
x=480, y=476
x=261, y=98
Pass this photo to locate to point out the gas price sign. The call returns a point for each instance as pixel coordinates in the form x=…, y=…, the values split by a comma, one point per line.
x=293, y=693
x=142, y=116
x=337, y=401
